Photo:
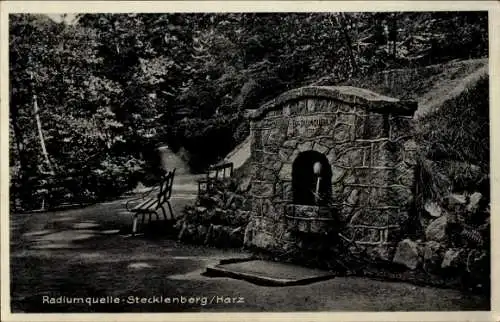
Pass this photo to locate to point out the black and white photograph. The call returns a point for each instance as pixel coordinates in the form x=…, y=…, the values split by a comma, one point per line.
x=248, y=161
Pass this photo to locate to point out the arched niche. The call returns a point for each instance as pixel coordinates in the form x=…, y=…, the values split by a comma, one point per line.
x=305, y=180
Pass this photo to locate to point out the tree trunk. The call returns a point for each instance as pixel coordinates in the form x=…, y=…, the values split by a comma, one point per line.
x=340, y=19
x=40, y=134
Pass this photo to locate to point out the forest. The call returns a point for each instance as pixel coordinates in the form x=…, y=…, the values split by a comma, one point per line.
x=91, y=99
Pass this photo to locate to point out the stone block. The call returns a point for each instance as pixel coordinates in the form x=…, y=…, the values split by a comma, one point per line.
x=290, y=144
x=301, y=107
x=350, y=179
x=257, y=140
x=287, y=191
x=311, y=105
x=276, y=166
x=263, y=240
x=451, y=258
x=337, y=174
x=410, y=153
x=278, y=189
x=401, y=195
x=474, y=202
x=341, y=132
x=382, y=177
x=368, y=235
x=276, y=137
x=284, y=154
x=404, y=174
x=407, y=254
x=268, y=210
x=400, y=127
x=364, y=175
x=436, y=231
x=286, y=171
x=456, y=199
x=353, y=197
x=269, y=158
x=306, y=146
x=293, y=156
x=256, y=207
x=381, y=253
x=264, y=173
x=248, y=235
x=350, y=157
x=374, y=127
x=433, y=209
x=379, y=155
x=331, y=156
x=286, y=110
x=323, y=105
x=331, y=106
x=359, y=127
x=346, y=118
x=327, y=142
x=347, y=213
x=303, y=226
x=294, y=107
x=337, y=193
x=244, y=184
x=320, y=148
x=364, y=196
x=432, y=255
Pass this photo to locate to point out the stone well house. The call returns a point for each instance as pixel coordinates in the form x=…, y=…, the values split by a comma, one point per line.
x=328, y=158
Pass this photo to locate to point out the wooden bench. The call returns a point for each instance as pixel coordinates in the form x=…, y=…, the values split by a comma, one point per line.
x=216, y=172
x=151, y=205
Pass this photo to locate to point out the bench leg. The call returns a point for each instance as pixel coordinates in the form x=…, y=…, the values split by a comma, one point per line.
x=164, y=212
x=170, y=209
x=134, y=225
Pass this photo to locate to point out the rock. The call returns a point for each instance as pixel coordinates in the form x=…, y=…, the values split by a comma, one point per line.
x=433, y=209
x=244, y=185
x=432, y=255
x=229, y=199
x=478, y=263
x=201, y=232
x=219, y=212
x=456, y=199
x=474, y=200
x=201, y=210
x=217, y=201
x=263, y=240
x=436, y=230
x=451, y=258
x=381, y=253
x=237, y=202
x=407, y=254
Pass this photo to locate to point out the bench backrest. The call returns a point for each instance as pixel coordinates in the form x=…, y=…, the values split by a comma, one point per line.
x=166, y=187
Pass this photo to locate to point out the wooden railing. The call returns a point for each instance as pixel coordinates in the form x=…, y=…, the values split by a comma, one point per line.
x=215, y=173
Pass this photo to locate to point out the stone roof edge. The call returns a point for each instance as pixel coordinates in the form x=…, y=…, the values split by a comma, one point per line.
x=377, y=103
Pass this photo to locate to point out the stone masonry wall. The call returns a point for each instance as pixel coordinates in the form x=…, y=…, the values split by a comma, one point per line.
x=369, y=149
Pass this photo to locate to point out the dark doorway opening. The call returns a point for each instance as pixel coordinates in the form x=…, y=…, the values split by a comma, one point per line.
x=308, y=167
